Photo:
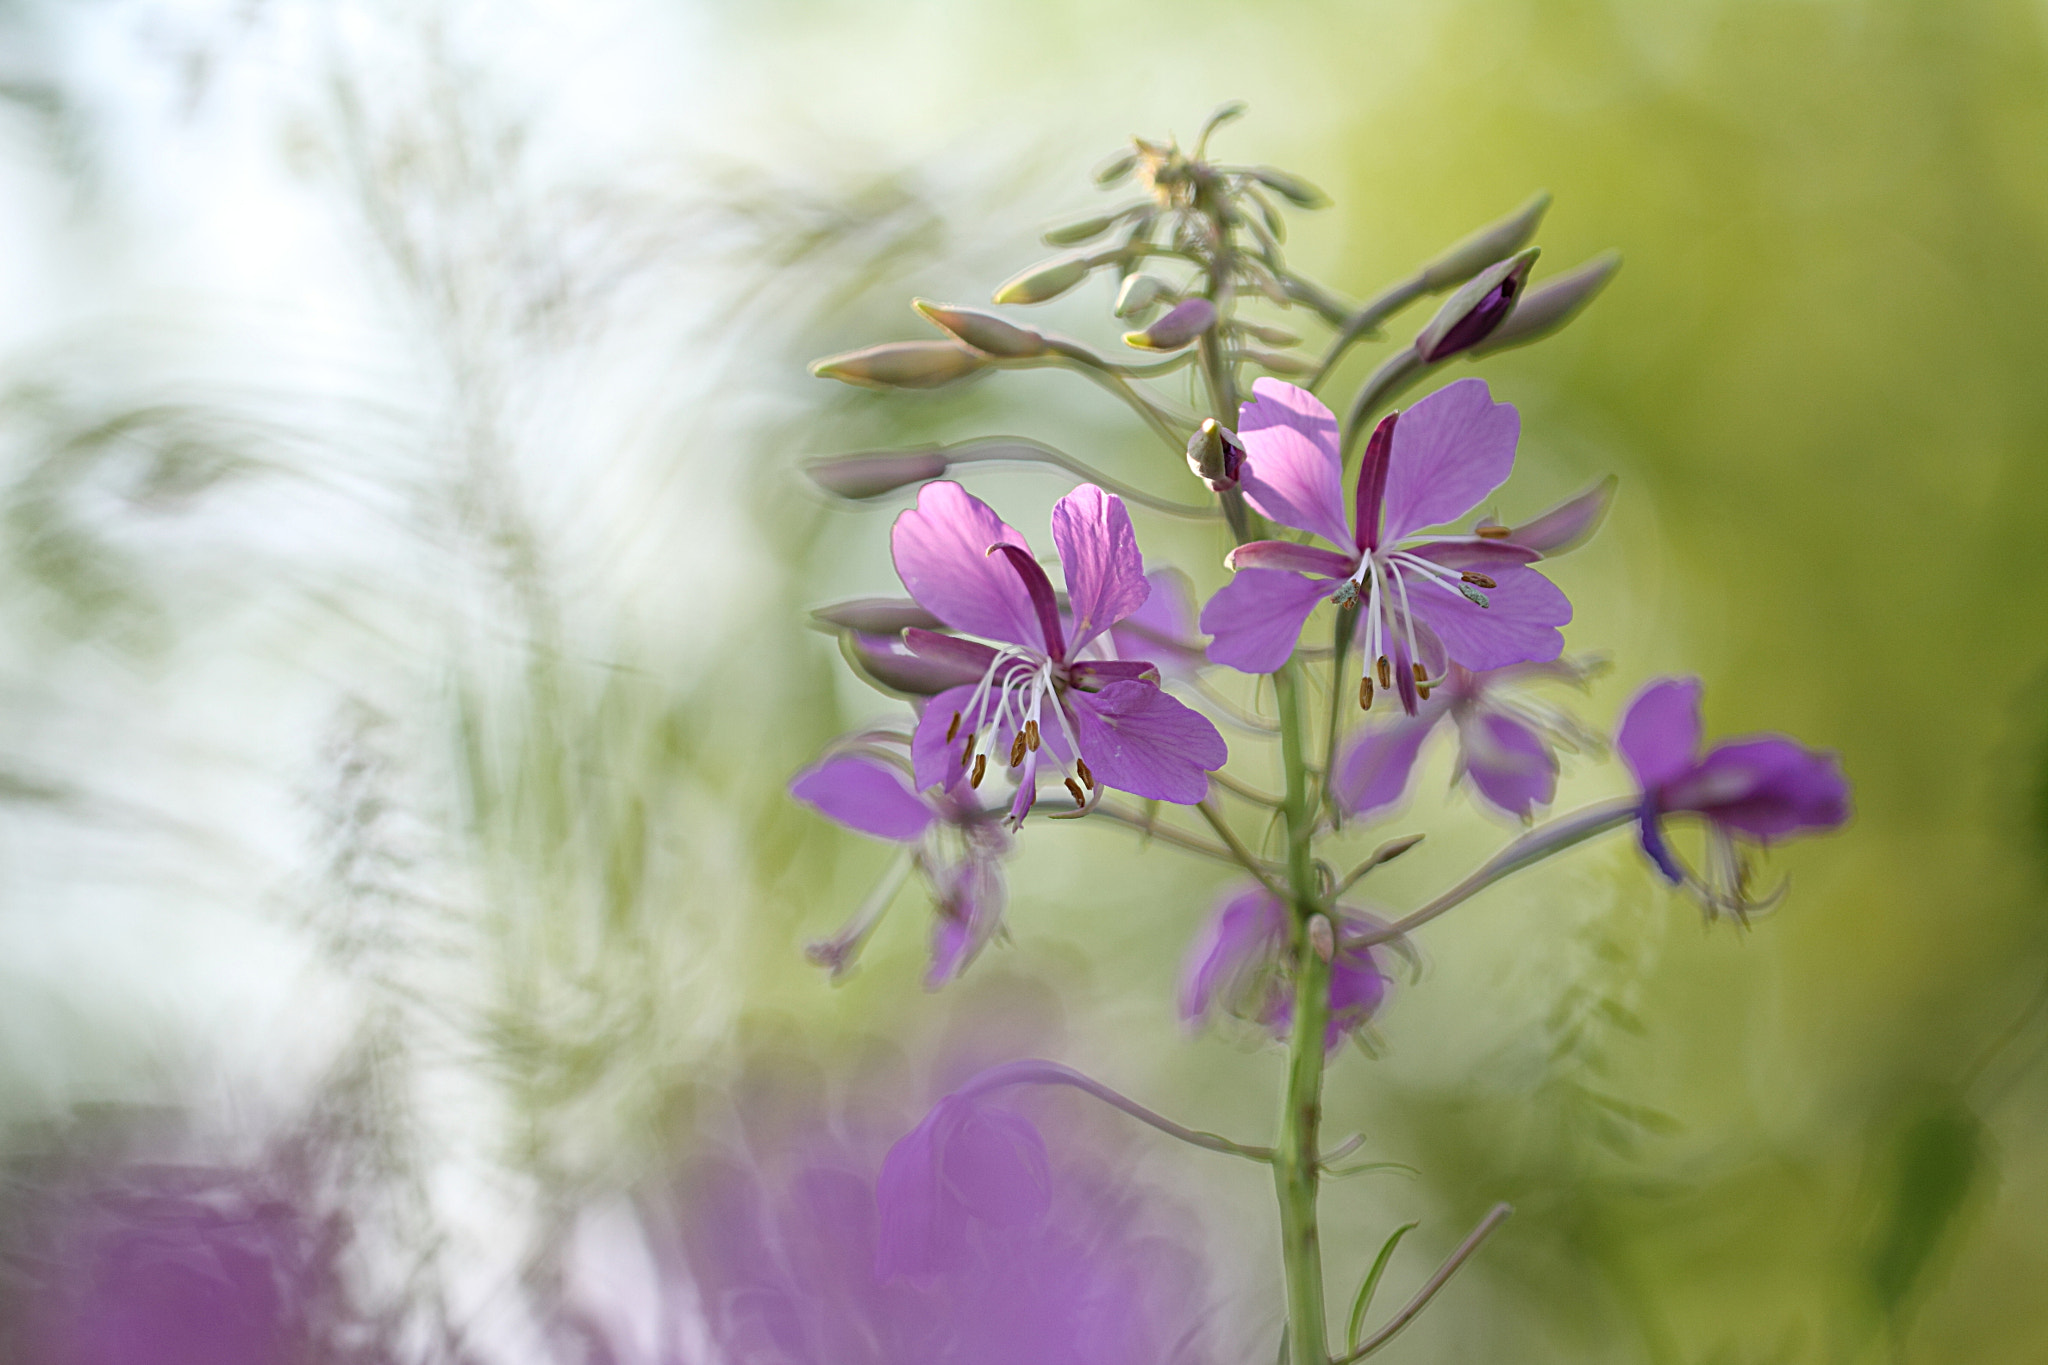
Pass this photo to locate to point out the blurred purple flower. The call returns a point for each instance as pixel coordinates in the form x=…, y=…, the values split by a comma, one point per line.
x=956, y=844
x=1427, y=602
x=1757, y=789
x=1507, y=741
x=1036, y=691
x=1239, y=965
x=972, y=1247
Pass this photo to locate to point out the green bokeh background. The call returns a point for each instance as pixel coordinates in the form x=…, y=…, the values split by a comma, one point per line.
x=1818, y=375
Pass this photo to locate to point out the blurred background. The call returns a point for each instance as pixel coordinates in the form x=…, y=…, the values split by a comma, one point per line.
x=403, y=652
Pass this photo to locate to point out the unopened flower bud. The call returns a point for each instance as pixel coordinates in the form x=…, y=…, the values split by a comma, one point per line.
x=902, y=365
x=869, y=476
x=1469, y=316
x=1046, y=280
x=1272, y=336
x=1182, y=323
x=983, y=331
x=1293, y=189
x=1279, y=362
x=1216, y=455
x=1322, y=939
x=1552, y=304
x=1491, y=243
x=1139, y=294
x=1086, y=230
x=1116, y=168
x=876, y=616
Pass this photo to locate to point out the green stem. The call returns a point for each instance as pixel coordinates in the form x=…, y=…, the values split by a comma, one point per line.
x=1347, y=621
x=1296, y=1168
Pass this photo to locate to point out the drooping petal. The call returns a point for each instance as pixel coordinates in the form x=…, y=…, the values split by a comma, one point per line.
x=1509, y=764
x=1292, y=558
x=1766, y=787
x=1241, y=942
x=1451, y=449
x=864, y=794
x=1517, y=625
x=1256, y=618
x=1099, y=554
x=1138, y=739
x=1293, y=472
x=1569, y=524
x=1162, y=631
x=1659, y=734
x=941, y=551
x=1374, y=773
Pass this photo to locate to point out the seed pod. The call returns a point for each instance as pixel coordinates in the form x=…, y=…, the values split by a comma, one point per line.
x=1494, y=242
x=871, y=475
x=1293, y=189
x=1046, y=280
x=1139, y=294
x=902, y=365
x=983, y=331
x=1548, y=307
x=1469, y=316
x=1183, y=322
x=1216, y=455
x=1279, y=362
x=1088, y=229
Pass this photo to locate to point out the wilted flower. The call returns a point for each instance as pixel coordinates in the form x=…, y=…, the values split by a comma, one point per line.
x=1758, y=789
x=1239, y=964
x=1036, y=691
x=1507, y=741
x=1426, y=602
x=956, y=844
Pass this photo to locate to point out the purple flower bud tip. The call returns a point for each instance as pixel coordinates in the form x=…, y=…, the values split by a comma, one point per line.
x=1216, y=455
x=1182, y=323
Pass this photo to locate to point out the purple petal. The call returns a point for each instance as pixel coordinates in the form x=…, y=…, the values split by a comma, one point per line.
x=1240, y=940
x=1451, y=449
x=968, y=659
x=865, y=794
x=1650, y=833
x=1162, y=631
x=1257, y=617
x=1357, y=989
x=1092, y=675
x=1138, y=739
x=1099, y=553
x=1660, y=732
x=1569, y=524
x=1292, y=470
x=1509, y=764
x=962, y=1165
x=1481, y=556
x=1374, y=774
x=934, y=759
x=1518, y=624
x=1286, y=555
x=971, y=899
x=994, y=1165
x=883, y=660
x=1372, y=484
x=1766, y=787
x=941, y=551
x=1044, y=604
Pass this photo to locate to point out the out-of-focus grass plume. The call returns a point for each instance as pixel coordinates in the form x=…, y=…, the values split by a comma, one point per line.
x=404, y=577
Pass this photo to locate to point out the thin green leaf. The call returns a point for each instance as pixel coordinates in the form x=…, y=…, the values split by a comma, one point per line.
x=1372, y=1282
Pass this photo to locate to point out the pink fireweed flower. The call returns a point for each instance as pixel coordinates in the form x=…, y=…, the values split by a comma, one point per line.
x=1239, y=965
x=1756, y=789
x=954, y=842
x=1508, y=741
x=1426, y=601
x=1038, y=692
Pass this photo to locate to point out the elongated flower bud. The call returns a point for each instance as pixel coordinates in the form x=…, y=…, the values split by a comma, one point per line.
x=1552, y=304
x=1216, y=455
x=869, y=476
x=983, y=331
x=1469, y=316
x=1492, y=243
x=1272, y=336
x=1280, y=362
x=1183, y=322
x=1086, y=230
x=1046, y=280
x=1139, y=294
x=1293, y=189
x=902, y=365
x=876, y=616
